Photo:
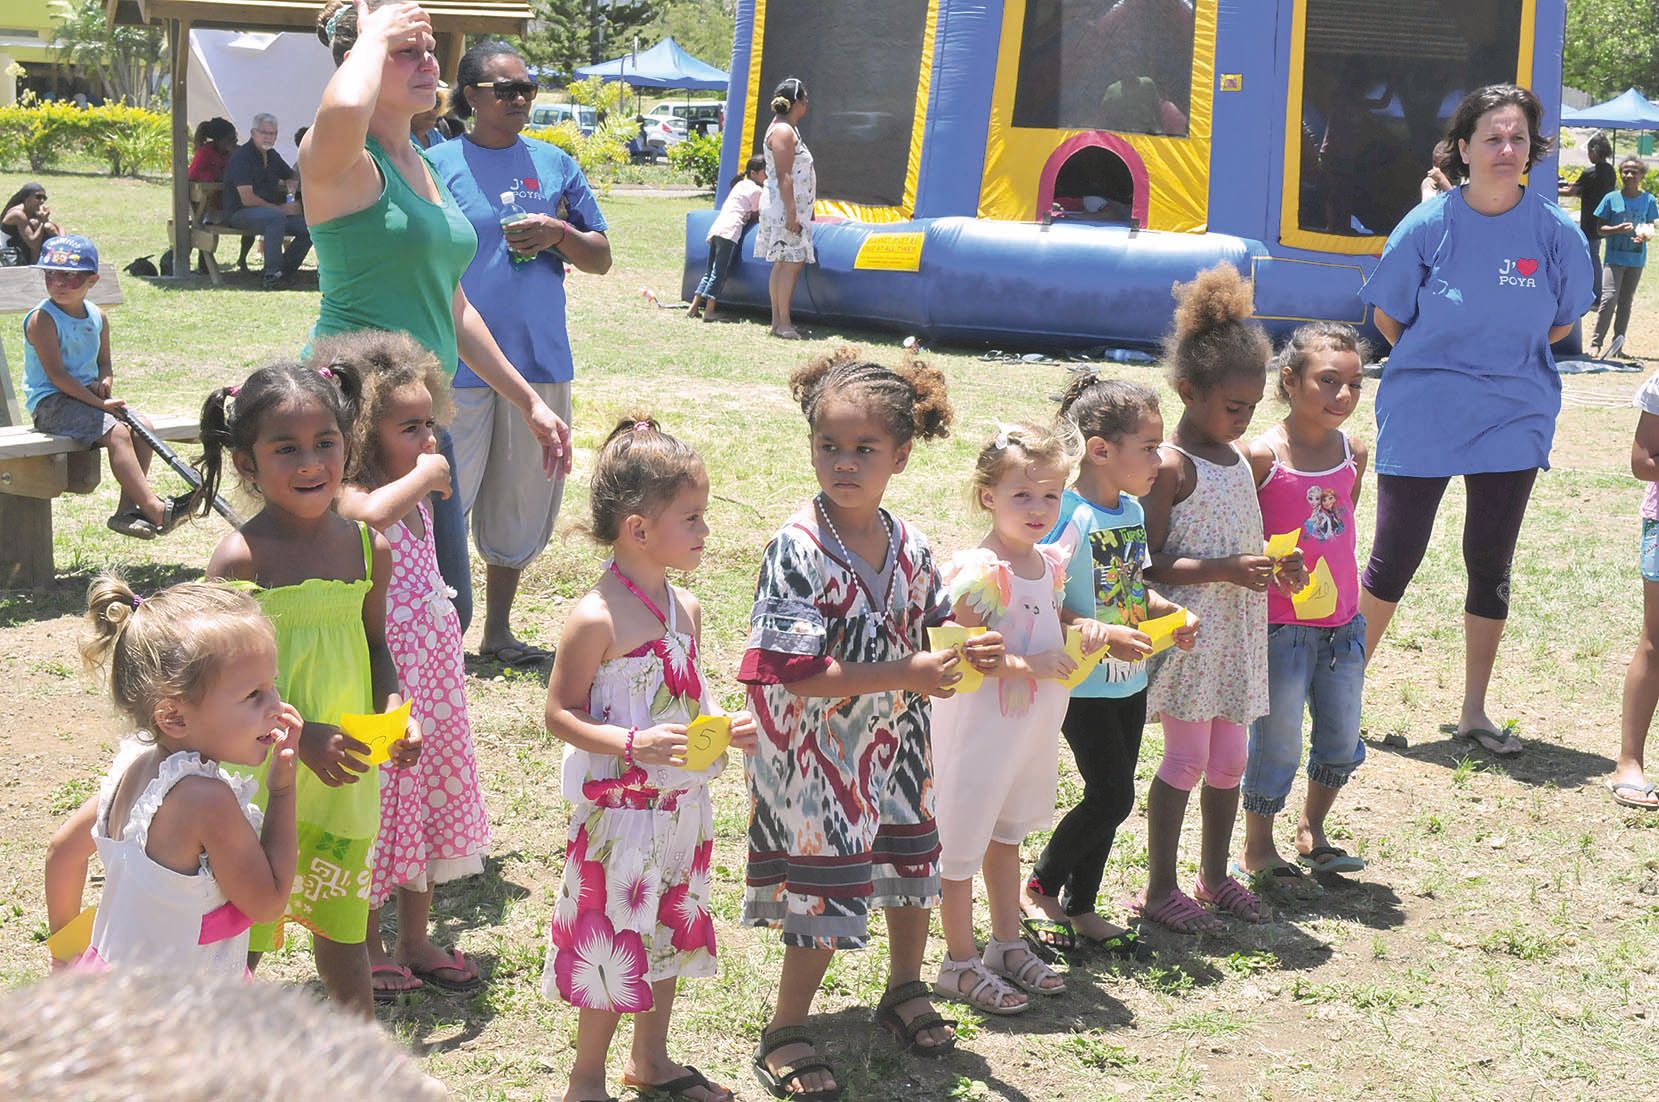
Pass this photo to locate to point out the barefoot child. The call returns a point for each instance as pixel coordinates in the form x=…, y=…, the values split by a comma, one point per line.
x=1204, y=530
x=68, y=384
x=1628, y=783
x=433, y=826
x=189, y=862
x=839, y=674
x=1308, y=473
x=1106, y=596
x=633, y=911
x=995, y=751
x=322, y=581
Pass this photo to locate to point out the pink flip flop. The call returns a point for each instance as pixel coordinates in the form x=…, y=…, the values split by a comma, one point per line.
x=1177, y=913
x=455, y=963
x=1232, y=897
x=391, y=994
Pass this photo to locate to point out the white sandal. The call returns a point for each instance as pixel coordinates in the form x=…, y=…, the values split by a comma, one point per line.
x=1027, y=977
x=985, y=995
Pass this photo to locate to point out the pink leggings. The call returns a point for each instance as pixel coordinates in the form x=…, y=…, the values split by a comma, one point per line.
x=1213, y=749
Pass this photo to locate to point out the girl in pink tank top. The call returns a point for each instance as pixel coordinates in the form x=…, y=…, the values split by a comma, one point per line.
x=1308, y=474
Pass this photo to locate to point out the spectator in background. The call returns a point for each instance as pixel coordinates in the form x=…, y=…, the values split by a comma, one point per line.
x=1591, y=187
x=1621, y=217
x=430, y=128
x=259, y=196
x=1435, y=179
x=215, y=141
x=26, y=223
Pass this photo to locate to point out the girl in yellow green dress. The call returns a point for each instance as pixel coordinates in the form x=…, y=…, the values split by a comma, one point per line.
x=321, y=580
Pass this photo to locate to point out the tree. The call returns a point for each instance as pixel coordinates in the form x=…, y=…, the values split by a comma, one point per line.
x=129, y=61
x=702, y=27
x=1611, y=45
x=569, y=33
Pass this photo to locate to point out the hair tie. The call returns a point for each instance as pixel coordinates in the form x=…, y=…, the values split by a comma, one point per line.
x=326, y=372
x=137, y=600
x=333, y=22
x=233, y=391
x=642, y=426
x=1006, y=435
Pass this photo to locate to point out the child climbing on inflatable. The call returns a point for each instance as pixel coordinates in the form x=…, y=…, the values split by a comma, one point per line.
x=1308, y=473
x=190, y=863
x=839, y=673
x=996, y=751
x=1204, y=530
x=632, y=917
x=1104, y=532
x=433, y=826
x=322, y=581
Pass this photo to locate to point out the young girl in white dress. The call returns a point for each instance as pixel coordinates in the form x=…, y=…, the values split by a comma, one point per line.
x=189, y=864
x=633, y=911
x=996, y=750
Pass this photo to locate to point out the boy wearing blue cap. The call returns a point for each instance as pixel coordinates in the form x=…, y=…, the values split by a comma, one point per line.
x=67, y=382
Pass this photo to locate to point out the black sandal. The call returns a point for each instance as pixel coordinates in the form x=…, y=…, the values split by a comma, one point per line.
x=676, y=1089
x=777, y=1083
x=887, y=1016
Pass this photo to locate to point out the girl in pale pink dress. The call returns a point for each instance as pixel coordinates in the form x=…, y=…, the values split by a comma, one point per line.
x=433, y=826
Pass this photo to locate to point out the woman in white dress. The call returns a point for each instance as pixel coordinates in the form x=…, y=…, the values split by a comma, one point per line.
x=785, y=237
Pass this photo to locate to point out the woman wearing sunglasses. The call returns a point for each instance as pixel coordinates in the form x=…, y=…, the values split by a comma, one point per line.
x=26, y=223
x=391, y=242
x=517, y=281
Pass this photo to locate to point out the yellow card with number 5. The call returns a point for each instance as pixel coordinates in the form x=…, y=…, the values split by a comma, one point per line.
x=955, y=637
x=377, y=731
x=706, y=739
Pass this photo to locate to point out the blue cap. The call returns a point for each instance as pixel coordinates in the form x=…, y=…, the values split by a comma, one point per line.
x=69, y=252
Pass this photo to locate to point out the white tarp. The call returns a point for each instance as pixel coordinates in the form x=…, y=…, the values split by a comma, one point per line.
x=239, y=74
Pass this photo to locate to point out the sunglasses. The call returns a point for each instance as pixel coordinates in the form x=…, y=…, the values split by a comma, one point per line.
x=507, y=90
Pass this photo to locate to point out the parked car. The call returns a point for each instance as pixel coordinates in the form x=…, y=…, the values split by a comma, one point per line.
x=552, y=114
x=657, y=135
x=700, y=118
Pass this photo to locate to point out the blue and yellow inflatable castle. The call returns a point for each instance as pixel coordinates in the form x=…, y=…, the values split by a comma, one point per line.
x=1039, y=172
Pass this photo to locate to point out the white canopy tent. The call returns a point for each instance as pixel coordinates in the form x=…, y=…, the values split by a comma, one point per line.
x=238, y=74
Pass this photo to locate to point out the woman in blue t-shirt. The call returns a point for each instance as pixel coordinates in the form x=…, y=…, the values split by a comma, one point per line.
x=516, y=281
x=1472, y=289
x=1620, y=218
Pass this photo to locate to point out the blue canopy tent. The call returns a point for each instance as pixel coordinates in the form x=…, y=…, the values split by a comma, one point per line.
x=1630, y=110
x=664, y=65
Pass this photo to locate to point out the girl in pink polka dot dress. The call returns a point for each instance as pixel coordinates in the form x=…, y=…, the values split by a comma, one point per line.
x=433, y=827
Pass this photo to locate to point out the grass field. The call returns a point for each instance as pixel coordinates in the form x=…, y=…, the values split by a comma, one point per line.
x=1501, y=945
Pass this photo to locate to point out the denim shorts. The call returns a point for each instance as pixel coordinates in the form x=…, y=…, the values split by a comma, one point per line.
x=1321, y=671
x=62, y=415
x=1650, y=550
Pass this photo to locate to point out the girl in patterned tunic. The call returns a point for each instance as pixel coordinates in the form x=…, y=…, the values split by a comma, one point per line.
x=322, y=581
x=839, y=675
x=633, y=910
x=433, y=826
x=1204, y=530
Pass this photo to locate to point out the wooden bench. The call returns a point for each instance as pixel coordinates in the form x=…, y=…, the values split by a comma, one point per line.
x=36, y=467
x=204, y=235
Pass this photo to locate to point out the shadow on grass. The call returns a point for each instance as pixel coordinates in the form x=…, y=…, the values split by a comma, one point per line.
x=477, y=901
x=869, y=1062
x=1542, y=764
x=66, y=596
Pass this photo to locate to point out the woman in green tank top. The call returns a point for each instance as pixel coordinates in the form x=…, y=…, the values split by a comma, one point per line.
x=391, y=242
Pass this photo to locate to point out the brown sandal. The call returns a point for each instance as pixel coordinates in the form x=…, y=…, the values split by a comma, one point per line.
x=887, y=1015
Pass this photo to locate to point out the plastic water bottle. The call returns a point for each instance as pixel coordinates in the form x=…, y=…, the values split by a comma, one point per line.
x=511, y=212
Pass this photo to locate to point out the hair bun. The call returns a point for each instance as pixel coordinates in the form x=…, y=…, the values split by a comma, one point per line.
x=781, y=105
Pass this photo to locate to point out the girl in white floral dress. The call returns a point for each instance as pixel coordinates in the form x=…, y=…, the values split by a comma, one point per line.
x=633, y=909
x=785, y=235
x=1204, y=530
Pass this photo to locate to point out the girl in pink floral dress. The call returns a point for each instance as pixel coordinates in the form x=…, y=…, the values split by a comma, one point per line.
x=633, y=910
x=433, y=826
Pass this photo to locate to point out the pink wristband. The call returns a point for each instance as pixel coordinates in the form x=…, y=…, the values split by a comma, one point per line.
x=628, y=748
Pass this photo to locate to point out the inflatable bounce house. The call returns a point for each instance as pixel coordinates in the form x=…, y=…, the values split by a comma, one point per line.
x=1039, y=172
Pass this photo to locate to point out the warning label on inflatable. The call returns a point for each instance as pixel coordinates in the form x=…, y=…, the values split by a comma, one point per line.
x=890, y=252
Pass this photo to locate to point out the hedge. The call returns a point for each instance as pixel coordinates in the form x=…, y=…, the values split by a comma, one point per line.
x=130, y=140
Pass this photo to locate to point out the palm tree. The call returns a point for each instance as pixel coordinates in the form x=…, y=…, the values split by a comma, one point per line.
x=129, y=61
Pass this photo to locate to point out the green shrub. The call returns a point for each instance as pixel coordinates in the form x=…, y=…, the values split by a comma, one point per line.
x=600, y=154
x=43, y=135
x=699, y=156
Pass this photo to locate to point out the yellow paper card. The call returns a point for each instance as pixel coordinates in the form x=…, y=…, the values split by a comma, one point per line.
x=1162, y=630
x=1318, y=599
x=1085, y=662
x=75, y=937
x=706, y=739
x=1283, y=545
x=378, y=731
x=954, y=637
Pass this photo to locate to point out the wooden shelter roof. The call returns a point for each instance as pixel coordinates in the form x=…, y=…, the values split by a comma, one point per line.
x=448, y=16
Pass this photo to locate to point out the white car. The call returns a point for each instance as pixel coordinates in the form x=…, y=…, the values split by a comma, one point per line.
x=552, y=114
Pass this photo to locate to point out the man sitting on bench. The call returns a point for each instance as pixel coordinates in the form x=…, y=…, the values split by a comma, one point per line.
x=259, y=197
x=68, y=379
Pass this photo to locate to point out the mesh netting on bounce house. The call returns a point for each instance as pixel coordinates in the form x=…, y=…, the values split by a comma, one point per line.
x=1041, y=171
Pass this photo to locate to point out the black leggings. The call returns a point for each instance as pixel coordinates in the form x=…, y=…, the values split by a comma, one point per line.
x=1105, y=737
x=1406, y=508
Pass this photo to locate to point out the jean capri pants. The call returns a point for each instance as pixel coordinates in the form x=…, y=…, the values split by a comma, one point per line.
x=1323, y=670
x=1650, y=550
x=513, y=504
